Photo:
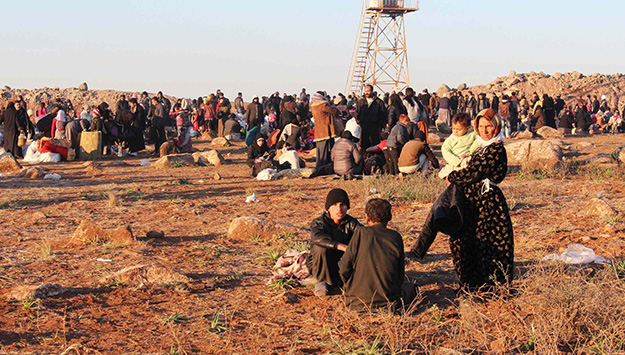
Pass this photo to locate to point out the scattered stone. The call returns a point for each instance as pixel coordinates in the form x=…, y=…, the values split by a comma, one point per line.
x=585, y=144
x=89, y=233
x=166, y=149
x=610, y=229
x=83, y=87
x=155, y=234
x=22, y=293
x=168, y=160
x=211, y=157
x=549, y=132
x=523, y=135
x=462, y=86
x=246, y=228
x=146, y=275
x=598, y=207
x=92, y=168
x=290, y=298
x=511, y=74
x=619, y=154
x=8, y=163
x=534, y=154
x=434, y=138
x=220, y=141
x=206, y=136
x=216, y=177
x=294, y=173
x=443, y=89
x=39, y=215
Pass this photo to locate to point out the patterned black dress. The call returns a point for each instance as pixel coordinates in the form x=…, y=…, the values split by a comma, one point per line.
x=483, y=251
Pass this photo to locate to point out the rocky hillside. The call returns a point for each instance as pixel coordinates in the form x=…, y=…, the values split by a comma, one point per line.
x=569, y=85
x=79, y=96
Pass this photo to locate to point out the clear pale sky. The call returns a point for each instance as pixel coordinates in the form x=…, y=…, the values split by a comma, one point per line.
x=191, y=48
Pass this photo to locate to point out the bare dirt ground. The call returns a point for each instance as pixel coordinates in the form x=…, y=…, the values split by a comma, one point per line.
x=228, y=307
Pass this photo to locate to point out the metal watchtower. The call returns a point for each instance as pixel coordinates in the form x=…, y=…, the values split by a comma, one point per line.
x=380, y=53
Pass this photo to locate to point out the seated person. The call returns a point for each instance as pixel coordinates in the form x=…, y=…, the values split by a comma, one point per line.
x=291, y=137
x=330, y=233
x=397, y=138
x=346, y=156
x=417, y=156
x=259, y=157
x=372, y=268
x=459, y=146
x=231, y=127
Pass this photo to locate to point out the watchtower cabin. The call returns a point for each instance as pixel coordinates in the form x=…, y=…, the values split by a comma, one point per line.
x=380, y=53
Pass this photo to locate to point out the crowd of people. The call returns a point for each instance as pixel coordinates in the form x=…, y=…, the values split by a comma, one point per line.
x=352, y=136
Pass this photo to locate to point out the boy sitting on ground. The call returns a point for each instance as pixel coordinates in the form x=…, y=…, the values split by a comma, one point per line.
x=372, y=267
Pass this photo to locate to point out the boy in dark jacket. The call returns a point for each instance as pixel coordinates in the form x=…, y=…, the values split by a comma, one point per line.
x=373, y=265
x=330, y=233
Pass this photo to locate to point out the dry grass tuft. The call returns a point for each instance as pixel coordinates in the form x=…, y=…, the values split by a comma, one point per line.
x=114, y=200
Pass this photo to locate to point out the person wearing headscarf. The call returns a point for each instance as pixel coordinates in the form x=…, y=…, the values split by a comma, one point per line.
x=538, y=116
x=12, y=129
x=330, y=234
x=395, y=109
x=482, y=247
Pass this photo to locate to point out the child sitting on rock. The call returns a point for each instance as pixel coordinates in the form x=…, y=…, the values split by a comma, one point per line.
x=458, y=147
x=372, y=268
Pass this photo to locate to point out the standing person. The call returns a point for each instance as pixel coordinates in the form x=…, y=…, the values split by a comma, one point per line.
x=504, y=113
x=121, y=104
x=12, y=129
x=288, y=114
x=371, y=115
x=558, y=105
x=253, y=114
x=538, y=116
x=414, y=108
x=494, y=103
x=373, y=268
x=444, y=113
x=482, y=102
x=239, y=105
x=324, y=133
x=471, y=105
x=581, y=117
x=549, y=111
x=395, y=110
x=303, y=95
x=159, y=121
x=42, y=111
x=483, y=249
x=330, y=234
x=145, y=101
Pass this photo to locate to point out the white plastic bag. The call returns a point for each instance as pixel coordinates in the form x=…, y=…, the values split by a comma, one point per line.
x=145, y=162
x=267, y=174
x=251, y=198
x=291, y=157
x=54, y=176
x=577, y=254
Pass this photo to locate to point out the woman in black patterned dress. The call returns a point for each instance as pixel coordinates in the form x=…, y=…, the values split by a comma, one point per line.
x=483, y=251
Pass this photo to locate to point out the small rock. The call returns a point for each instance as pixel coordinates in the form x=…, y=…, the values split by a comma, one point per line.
x=83, y=87
x=39, y=215
x=434, y=138
x=167, y=161
x=21, y=293
x=89, y=233
x=290, y=298
x=211, y=157
x=216, y=176
x=220, y=141
x=154, y=234
x=610, y=228
x=598, y=207
x=8, y=163
x=143, y=275
x=247, y=227
x=549, y=132
x=442, y=127
x=511, y=74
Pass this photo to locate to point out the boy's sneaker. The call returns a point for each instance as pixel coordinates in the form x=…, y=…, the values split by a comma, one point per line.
x=321, y=289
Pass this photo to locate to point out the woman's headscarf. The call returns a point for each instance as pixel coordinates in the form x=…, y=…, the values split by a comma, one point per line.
x=493, y=117
x=396, y=102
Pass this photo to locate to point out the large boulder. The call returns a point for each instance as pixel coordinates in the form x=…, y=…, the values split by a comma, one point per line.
x=169, y=161
x=462, y=86
x=549, y=133
x=247, y=228
x=598, y=207
x=166, y=149
x=434, y=138
x=211, y=157
x=83, y=87
x=89, y=233
x=443, y=89
x=8, y=163
x=146, y=275
x=523, y=135
x=534, y=154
